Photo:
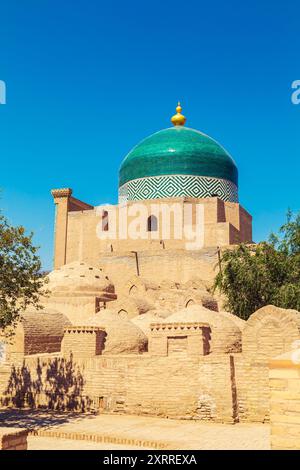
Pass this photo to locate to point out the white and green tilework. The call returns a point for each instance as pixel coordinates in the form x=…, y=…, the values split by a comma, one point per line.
x=157, y=187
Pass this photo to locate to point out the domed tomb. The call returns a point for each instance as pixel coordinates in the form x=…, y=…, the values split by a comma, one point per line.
x=37, y=332
x=79, y=290
x=80, y=278
x=225, y=335
x=144, y=320
x=122, y=336
x=270, y=331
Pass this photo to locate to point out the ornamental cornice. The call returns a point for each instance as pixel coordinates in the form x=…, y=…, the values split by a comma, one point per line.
x=62, y=192
x=178, y=326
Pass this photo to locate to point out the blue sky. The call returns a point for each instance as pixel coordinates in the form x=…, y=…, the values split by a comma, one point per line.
x=87, y=80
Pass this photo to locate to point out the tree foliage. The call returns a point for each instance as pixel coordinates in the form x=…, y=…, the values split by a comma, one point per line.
x=21, y=279
x=253, y=276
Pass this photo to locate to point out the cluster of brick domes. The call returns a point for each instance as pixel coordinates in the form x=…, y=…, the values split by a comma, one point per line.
x=76, y=283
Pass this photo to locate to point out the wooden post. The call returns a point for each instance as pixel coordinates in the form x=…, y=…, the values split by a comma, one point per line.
x=136, y=262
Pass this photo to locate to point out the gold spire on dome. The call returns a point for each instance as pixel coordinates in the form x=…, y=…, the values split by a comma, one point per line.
x=178, y=119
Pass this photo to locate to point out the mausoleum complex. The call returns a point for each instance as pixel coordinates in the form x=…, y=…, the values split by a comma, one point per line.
x=130, y=317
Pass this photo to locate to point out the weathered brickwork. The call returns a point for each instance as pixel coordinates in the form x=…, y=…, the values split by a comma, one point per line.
x=225, y=223
x=167, y=339
x=37, y=332
x=268, y=332
x=13, y=439
x=158, y=353
x=183, y=387
x=83, y=341
x=194, y=369
x=285, y=402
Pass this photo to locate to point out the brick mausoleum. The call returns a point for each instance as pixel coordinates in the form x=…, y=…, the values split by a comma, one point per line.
x=131, y=323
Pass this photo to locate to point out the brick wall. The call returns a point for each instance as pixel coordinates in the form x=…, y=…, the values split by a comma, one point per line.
x=178, y=387
x=191, y=339
x=76, y=237
x=285, y=402
x=13, y=439
x=268, y=332
x=219, y=386
x=83, y=341
x=253, y=395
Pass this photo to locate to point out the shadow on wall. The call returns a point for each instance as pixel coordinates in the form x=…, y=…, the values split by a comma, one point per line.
x=56, y=385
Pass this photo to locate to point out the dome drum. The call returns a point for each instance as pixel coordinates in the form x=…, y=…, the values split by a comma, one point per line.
x=171, y=186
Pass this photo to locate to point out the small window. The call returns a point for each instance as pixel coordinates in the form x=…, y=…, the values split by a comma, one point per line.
x=152, y=223
x=105, y=221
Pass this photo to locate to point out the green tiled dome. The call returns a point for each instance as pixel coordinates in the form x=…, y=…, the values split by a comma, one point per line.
x=178, y=151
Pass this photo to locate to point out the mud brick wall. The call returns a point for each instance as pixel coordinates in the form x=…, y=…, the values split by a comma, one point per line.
x=270, y=331
x=216, y=387
x=187, y=338
x=83, y=341
x=172, y=386
x=13, y=439
x=178, y=387
x=253, y=393
x=285, y=403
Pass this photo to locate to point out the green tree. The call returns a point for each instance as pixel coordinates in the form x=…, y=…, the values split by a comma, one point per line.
x=253, y=276
x=21, y=279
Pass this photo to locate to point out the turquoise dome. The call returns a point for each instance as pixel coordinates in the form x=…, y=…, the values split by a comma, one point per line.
x=178, y=151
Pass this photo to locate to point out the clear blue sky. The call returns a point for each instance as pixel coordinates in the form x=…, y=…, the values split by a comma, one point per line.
x=87, y=80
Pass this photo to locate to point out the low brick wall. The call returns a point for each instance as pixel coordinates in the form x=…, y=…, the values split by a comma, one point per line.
x=182, y=386
x=253, y=394
x=285, y=403
x=13, y=439
x=175, y=387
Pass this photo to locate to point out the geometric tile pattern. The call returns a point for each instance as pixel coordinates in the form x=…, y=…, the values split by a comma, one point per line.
x=156, y=187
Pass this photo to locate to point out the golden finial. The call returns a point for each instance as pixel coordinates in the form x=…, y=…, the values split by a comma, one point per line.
x=178, y=119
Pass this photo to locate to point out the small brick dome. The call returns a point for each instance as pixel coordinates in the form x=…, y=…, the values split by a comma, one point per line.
x=271, y=331
x=122, y=336
x=79, y=278
x=38, y=332
x=144, y=320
